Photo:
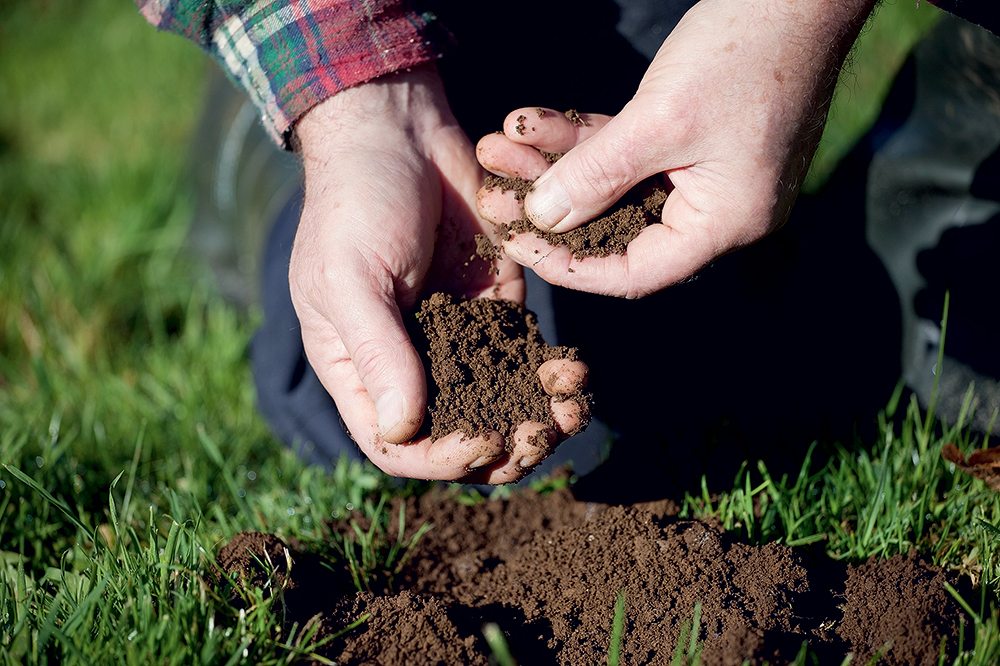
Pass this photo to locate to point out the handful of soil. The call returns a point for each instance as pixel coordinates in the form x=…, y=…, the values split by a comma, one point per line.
x=482, y=358
x=609, y=234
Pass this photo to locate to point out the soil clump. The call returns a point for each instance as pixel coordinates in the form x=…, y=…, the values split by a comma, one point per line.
x=609, y=234
x=482, y=358
x=548, y=568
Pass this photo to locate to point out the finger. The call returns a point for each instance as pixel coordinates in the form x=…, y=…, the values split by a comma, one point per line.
x=591, y=177
x=571, y=416
x=549, y=130
x=498, y=206
x=503, y=157
x=533, y=442
x=368, y=322
x=508, y=291
x=449, y=458
x=561, y=376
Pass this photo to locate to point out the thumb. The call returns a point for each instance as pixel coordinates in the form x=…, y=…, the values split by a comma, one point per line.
x=586, y=181
x=372, y=330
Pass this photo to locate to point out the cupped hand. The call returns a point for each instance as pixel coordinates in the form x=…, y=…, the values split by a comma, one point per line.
x=388, y=218
x=730, y=112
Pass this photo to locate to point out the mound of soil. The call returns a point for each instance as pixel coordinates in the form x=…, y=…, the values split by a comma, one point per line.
x=482, y=358
x=547, y=569
x=609, y=234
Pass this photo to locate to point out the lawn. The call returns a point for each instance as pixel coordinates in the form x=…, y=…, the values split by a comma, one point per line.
x=128, y=433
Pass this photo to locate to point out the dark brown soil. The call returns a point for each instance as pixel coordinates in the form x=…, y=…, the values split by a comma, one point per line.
x=519, y=128
x=609, y=234
x=482, y=358
x=547, y=570
x=574, y=117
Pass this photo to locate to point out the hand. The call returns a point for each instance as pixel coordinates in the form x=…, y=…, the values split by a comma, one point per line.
x=730, y=111
x=388, y=217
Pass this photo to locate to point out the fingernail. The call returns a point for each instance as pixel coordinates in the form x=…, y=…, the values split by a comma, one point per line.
x=516, y=253
x=480, y=461
x=547, y=204
x=391, y=409
x=529, y=461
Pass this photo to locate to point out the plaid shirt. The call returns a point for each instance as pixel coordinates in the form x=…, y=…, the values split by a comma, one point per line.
x=290, y=55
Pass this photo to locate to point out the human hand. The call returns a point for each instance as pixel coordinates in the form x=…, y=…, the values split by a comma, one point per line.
x=388, y=217
x=730, y=111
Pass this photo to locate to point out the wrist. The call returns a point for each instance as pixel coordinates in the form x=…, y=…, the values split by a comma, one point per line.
x=404, y=104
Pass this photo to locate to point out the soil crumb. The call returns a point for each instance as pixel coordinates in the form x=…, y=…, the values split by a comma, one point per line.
x=487, y=251
x=519, y=127
x=547, y=569
x=482, y=358
x=574, y=117
x=609, y=234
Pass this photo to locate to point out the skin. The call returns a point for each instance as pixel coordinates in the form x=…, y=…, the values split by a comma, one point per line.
x=730, y=112
x=389, y=217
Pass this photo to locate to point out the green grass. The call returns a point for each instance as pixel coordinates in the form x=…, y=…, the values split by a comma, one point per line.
x=497, y=643
x=687, y=652
x=373, y=558
x=128, y=433
x=617, y=630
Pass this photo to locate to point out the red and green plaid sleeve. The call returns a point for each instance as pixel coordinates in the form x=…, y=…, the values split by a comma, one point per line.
x=290, y=55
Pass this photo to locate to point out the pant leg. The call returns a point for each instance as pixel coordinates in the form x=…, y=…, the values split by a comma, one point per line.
x=933, y=211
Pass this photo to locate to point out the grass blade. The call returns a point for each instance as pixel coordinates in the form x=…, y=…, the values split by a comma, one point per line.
x=27, y=480
x=963, y=603
x=498, y=644
x=937, y=375
x=617, y=630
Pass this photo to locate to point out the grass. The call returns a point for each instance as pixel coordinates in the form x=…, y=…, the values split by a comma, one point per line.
x=617, y=630
x=687, y=652
x=373, y=558
x=130, y=443
x=497, y=643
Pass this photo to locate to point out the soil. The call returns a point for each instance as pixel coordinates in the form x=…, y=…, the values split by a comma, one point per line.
x=574, y=117
x=609, y=234
x=482, y=358
x=548, y=568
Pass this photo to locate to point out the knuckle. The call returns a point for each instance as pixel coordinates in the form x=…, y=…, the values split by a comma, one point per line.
x=372, y=360
x=601, y=177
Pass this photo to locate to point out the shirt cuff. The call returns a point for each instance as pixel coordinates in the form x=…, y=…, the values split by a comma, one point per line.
x=291, y=55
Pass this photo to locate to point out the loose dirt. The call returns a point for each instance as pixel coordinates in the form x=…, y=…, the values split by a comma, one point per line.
x=609, y=234
x=548, y=568
x=482, y=358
